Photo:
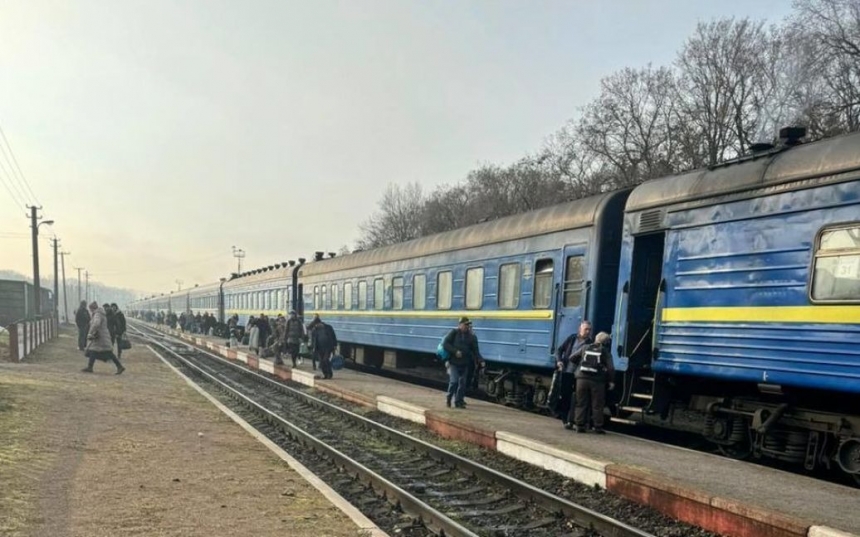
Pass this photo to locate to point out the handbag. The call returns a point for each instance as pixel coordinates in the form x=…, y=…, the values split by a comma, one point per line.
x=337, y=362
x=124, y=343
x=303, y=349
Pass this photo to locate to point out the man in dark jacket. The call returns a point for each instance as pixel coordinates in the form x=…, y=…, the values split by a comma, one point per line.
x=567, y=356
x=119, y=328
x=462, y=347
x=111, y=322
x=593, y=372
x=324, y=342
x=82, y=320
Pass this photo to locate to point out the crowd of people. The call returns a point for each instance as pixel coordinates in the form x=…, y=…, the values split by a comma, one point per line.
x=99, y=329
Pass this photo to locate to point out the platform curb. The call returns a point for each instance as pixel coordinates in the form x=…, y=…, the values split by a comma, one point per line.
x=401, y=409
x=365, y=525
x=720, y=515
x=577, y=467
x=452, y=429
x=824, y=531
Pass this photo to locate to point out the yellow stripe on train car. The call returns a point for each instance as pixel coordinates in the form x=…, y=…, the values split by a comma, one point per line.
x=520, y=315
x=766, y=314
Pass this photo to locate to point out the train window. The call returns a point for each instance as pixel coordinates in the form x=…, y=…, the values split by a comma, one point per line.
x=474, y=288
x=444, y=282
x=324, y=301
x=836, y=274
x=362, y=295
x=347, y=296
x=542, y=295
x=378, y=294
x=397, y=293
x=573, y=277
x=419, y=291
x=509, y=286
x=335, y=299
x=277, y=305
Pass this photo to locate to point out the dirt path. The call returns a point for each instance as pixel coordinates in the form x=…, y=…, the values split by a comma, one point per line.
x=137, y=454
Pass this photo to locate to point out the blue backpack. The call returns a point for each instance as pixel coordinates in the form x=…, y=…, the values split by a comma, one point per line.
x=440, y=350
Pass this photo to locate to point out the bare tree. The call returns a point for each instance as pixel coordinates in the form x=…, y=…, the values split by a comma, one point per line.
x=628, y=128
x=446, y=208
x=830, y=33
x=398, y=218
x=722, y=88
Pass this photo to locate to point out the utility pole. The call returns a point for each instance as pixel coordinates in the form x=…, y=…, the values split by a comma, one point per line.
x=79, y=269
x=65, y=290
x=37, y=285
x=87, y=293
x=238, y=253
x=56, y=308
x=179, y=285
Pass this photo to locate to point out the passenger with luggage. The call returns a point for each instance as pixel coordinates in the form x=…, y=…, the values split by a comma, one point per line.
x=594, y=371
x=323, y=343
x=99, y=346
x=82, y=321
x=567, y=356
x=461, y=346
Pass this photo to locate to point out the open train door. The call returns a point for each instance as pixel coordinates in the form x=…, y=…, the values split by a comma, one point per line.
x=571, y=300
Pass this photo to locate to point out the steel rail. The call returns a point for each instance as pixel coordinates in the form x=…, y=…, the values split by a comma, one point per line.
x=583, y=516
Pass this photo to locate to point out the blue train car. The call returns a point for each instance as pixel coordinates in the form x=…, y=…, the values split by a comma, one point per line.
x=526, y=281
x=269, y=290
x=739, y=304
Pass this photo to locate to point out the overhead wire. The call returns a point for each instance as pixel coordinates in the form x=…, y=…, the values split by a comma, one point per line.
x=21, y=178
x=13, y=193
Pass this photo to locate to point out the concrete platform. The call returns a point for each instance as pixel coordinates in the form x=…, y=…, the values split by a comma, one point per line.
x=145, y=454
x=722, y=495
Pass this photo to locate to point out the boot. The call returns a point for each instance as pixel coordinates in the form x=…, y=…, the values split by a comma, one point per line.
x=87, y=370
x=119, y=370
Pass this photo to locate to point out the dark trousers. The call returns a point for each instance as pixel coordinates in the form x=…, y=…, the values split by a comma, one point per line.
x=590, y=394
x=104, y=355
x=324, y=358
x=293, y=349
x=118, y=347
x=82, y=338
x=565, y=406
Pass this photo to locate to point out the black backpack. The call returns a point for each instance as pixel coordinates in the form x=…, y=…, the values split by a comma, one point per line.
x=591, y=363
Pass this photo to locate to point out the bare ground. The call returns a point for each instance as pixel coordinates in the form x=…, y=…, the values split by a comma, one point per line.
x=137, y=454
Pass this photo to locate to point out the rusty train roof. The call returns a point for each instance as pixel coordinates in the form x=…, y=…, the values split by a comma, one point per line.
x=564, y=216
x=826, y=159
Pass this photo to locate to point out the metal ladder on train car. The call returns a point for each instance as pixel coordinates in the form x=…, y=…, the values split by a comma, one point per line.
x=639, y=400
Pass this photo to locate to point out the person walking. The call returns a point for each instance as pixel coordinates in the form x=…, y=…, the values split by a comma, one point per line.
x=82, y=321
x=324, y=342
x=120, y=327
x=462, y=347
x=99, y=346
x=594, y=371
x=295, y=331
x=567, y=357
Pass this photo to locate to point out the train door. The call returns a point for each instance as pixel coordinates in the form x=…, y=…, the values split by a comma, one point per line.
x=646, y=281
x=571, y=298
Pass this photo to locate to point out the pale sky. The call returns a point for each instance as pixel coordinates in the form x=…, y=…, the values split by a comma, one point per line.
x=158, y=134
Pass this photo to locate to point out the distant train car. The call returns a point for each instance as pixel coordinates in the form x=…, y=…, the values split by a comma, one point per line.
x=527, y=281
x=206, y=299
x=739, y=304
x=269, y=290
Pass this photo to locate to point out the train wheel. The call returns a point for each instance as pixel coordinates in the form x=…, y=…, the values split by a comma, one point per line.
x=739, y=451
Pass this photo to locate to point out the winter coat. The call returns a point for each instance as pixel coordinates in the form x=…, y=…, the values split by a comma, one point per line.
x=570, y=351
x=466, y=343
x=120, y=325
x=295, y=330
x=82, y=318
x=323, y=338
x=99, y=335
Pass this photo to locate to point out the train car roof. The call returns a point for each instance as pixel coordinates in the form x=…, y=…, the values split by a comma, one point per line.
x=205, y=288
x=825, y=159
x=564, y=216
x=282, y=273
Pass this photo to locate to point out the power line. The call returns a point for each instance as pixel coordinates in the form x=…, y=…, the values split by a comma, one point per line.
x=15, y=197
x=17, y=167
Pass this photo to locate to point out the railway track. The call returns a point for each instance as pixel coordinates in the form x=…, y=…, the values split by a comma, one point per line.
x=428, y=490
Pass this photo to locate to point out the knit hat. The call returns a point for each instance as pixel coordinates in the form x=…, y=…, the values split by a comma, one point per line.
x=464, y=320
